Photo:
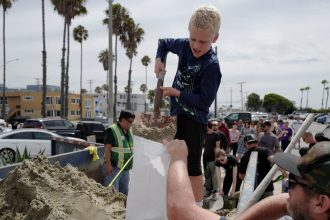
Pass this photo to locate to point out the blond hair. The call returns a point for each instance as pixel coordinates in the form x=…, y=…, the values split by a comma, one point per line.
x=219, y=153
x=206, y=17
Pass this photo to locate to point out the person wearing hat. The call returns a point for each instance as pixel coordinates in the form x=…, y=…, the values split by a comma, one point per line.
x=264, y=162
x=118, y=150
x=309, y=188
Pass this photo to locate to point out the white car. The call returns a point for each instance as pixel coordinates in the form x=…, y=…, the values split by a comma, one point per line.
x=34, y=140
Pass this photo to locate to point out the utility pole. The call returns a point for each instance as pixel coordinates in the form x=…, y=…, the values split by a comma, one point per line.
x=231, y=98
x=38, y=83
x=90, y=85
x=216, y=94
x=241, y=85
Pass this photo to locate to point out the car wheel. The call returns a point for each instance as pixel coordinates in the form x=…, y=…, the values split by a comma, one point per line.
x=8, y=155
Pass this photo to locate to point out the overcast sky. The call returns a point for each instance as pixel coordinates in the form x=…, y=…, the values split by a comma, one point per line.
x=271, y=46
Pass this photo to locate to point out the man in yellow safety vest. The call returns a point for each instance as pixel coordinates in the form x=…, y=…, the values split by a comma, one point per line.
x=118, y=146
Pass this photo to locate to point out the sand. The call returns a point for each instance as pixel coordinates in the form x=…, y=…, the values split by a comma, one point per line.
x=38, y=190
x=163, y=128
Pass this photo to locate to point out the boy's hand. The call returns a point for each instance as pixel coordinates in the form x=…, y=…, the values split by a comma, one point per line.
x=170, y=91
x=177, y=149
x=159, y=67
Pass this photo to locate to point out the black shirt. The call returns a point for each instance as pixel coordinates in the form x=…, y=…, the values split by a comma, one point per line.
x=263, y=165
x=223, y=140
x=231, y=163
x=209, y=146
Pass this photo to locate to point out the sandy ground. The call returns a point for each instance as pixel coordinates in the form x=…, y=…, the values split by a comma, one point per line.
x=38, y=190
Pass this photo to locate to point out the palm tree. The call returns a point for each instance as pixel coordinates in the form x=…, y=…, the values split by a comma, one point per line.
x=119, y=14
x=103, y=58
x=132, y=36
x=80, y=34
x=68, y=9
x=145, y=62
x=151, y=96
x=143, y=88
x=324, y=82
x=307, y=89
x=44, y=59
x=302, y=93
x=5, y=4
x=326, y=102
x=98, y=90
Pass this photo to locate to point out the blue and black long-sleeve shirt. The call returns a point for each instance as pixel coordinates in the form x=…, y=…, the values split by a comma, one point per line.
x=197, y=79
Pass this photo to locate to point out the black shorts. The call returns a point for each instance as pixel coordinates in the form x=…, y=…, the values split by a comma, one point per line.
x=192, y=133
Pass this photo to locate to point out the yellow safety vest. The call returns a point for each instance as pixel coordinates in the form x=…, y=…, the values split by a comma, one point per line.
x=123, y=147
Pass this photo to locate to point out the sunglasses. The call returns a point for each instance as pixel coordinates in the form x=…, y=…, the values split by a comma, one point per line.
x=130, y=121
x=293, y=180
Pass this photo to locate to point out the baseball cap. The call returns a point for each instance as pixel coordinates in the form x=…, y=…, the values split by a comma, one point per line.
x=313, y=168
x=250, y=138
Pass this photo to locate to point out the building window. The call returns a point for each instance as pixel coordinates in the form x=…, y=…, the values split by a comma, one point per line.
x=75, y=101
x=49, y=100
x=57, y=100
x=77, y=112
x=88, y=103
x=28, y=98
x=73, y=112
x=58, y=113
x=6, y=100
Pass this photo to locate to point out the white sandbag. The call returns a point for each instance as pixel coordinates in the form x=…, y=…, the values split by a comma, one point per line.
x=147, y=189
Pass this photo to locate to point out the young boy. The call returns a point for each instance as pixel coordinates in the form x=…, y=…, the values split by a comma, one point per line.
x=195, y=85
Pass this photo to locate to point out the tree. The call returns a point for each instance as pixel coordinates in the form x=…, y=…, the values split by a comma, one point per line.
x=98, y=90
x=276, y=103
x=5, y=4
x=119, y=15
x=326, y=102
x=132, y=36
x=44, y=60
x=324, y=83
x=302, y=93
x=254, y=102
x=80, y=34
x=145, y=62
x=307, y=88
x=68, y=9
x=103, y=58
x=105, y=87
x=151, y=96
x=84, y=91
x=143, y=88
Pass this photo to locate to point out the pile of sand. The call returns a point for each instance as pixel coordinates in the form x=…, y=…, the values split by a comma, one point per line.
x=39, y=190
x=163, y=128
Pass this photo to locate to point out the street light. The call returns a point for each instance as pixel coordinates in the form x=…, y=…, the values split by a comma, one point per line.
x=4, y=87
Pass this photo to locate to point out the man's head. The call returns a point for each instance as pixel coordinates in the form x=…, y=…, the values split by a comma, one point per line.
x=308, y=137
x=309, y=181
x=212, y=125
x=266, y=126
x=204, y=26
x=126, y=119
x=250, y=140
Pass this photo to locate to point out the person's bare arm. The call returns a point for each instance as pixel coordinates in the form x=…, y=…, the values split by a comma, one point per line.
x=218, y=174
x=180, y=198
x=233, y=185
x=273, y=207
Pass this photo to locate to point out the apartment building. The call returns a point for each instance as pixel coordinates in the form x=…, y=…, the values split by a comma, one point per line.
x=28, y=104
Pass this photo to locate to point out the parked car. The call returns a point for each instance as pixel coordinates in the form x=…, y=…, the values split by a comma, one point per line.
x=58, y=125
x=232, y=117
x=34, y=140
x=325, y=119
x=89, y=128
x=316, y=116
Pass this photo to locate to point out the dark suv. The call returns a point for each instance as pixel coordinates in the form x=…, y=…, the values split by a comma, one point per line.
x=232, y=117
x=88, y=128
x=58, y=125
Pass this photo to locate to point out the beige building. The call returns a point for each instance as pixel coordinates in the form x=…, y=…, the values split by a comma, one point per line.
x=28, y=104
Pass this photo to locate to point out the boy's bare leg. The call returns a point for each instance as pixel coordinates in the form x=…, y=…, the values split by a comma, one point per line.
x=197, y=186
